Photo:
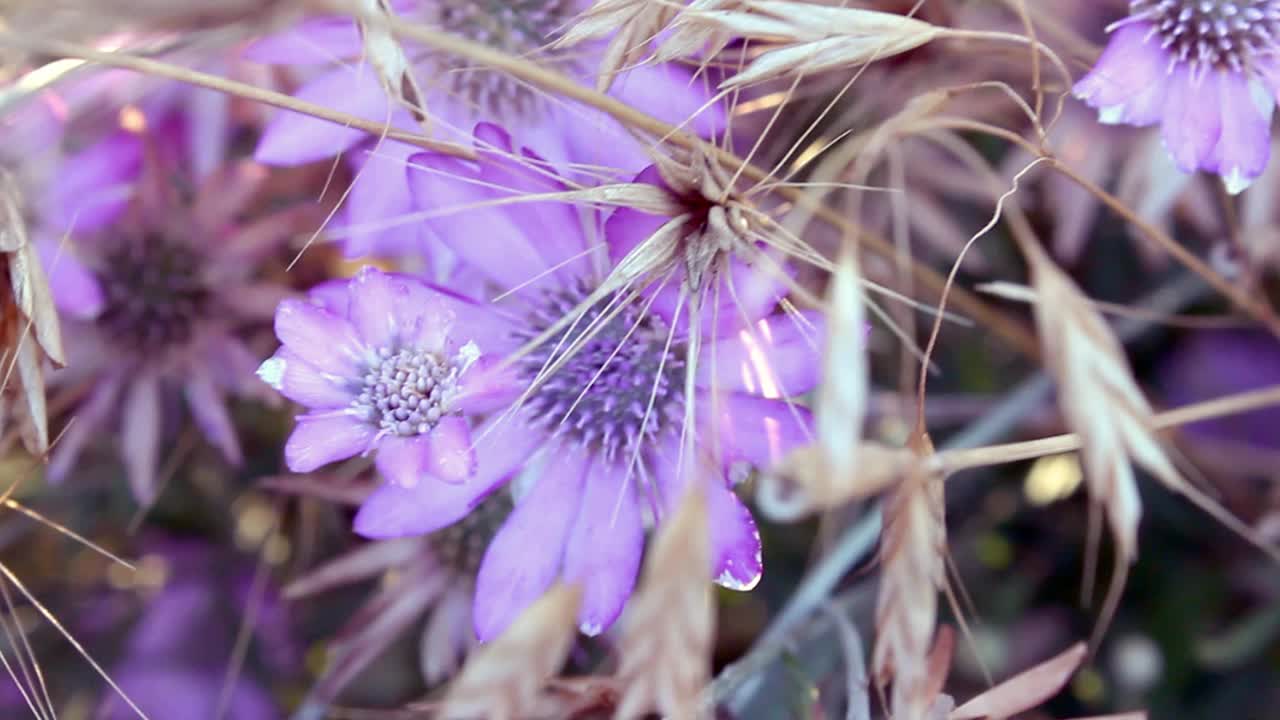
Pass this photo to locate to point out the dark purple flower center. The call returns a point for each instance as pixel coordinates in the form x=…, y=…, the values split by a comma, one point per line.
x=1224, y=34
x=623, y=382
x=154, y=293
x=461, y=546
x=406, y=391
x=519, y=27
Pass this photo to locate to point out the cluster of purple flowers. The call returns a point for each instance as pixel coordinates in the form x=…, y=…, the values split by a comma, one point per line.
x=575, y=399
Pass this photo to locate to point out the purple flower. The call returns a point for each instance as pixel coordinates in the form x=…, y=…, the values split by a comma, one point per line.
x=1206, y=70
x=155, y=282
x=599, y=437
x=175, y=657
x=457, y=96
x=1208, y=364
x=385, y=364
x=431, y=577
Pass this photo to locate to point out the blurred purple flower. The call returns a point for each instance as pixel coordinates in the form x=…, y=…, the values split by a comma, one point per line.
x=384, y=363
x=174, y=661
x=457, y=96
x=155, y=279
x=1207, y=71
x=1209, y=364
x=431, y=576
x=601, y=436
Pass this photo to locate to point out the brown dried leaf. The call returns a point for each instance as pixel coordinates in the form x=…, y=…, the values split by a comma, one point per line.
x=505, y=678
x=29, y=328
x=1100, y=401
x=912, y=548
x=812, y=38
x=1026, y=690
x=666, y=642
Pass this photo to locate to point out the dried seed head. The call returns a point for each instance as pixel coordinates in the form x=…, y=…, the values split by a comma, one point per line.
x=666, y=643
x=717, y=221
x=506, y=677
x=811, y=38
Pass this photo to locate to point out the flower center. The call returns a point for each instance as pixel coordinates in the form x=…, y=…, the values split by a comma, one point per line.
x=519, y=27
x=406, y=391
x=622, y=383
x=461, y=546
x=1223, y=34
x=154, y=293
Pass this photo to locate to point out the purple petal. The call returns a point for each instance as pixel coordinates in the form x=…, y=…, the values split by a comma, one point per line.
x=403, y=460
x=326, y=341
x=603, y=551
x=88, y=425
x=319, y=40
x=140, y=441
x=525, y=556
x=1245, y=144
x=778, y=356
x=94, y=186
x=735, y=541
x=1192, y=121
x=627, y=227
x=477, y=322
x=753, y=429
x=393, y=510
x=76, y=290
x=674, y=95
x=379, y=197
x=332, y=295
x=488, y=385
x=210, y=412
x=736, y=561
x=295, y=139
x=1128, y=82
x=488, y=237
x=451, y=456
x=302, y=383
x=504, y=167
x=322, y=438
x=376, y=298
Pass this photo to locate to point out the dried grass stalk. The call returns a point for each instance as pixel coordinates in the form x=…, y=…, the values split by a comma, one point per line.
x=804, y=483
x=1026, y=690
x=810, y=38
x=911, y=555
x=666, y=643
x=87, y=19
x=841, y=404
x=29, y=328
x=1100, y=401
x=504, y=679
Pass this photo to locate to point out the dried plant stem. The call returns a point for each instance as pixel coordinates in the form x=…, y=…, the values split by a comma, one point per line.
x=1256, y=307
x=171, y=71
x=952, y=461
